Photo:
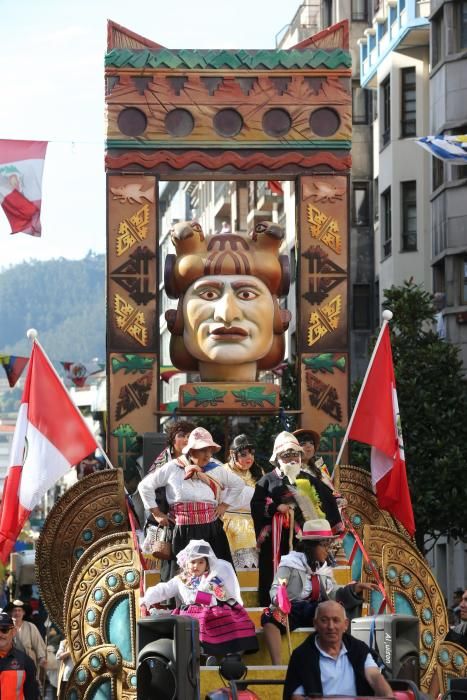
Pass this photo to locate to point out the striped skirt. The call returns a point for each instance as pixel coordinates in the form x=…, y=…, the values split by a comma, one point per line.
x=222, y=629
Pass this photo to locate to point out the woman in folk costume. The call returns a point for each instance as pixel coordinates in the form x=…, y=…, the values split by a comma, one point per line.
x=238, y=523
x=303, y=580
x=193, y=486
x=177, y=438
x=209, y=591
x=279, y=508
x=315, y=470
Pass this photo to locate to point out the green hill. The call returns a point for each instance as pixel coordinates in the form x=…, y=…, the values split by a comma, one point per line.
x=63, y=299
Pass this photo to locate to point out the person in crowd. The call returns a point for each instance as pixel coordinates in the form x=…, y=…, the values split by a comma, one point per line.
x=63, y=655
x=194, y=486
x=279, y=509
x=316, y=472
x=455, y=606
x=458, y=635
x=28, y=634
x=304, y=579
x=238, y=523
x=17, y=669
x=177, y=438
x=210, y=592
x=332, y=662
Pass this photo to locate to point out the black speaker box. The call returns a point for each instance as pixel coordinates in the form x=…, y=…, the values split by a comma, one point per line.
x=396, y=639
x=168, y=658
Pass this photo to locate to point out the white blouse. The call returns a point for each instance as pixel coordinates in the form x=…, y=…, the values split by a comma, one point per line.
x=181, y=490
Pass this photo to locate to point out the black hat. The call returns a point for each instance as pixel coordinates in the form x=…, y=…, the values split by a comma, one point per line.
x=241, y=442
x=5, y=620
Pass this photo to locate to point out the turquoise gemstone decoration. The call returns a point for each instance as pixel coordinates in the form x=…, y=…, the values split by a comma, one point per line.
x=98, y=595
x=81, y=676
x=90, y=616
x=101, y=522
x=458, y=660
x=91, y=640
x=427, y=638
x=118, y=623
x=132, y=680
x=87, y=535
x=117, y=518
x=130, y=576
x=72, y=695
x=427, y=615
x=79, y=551
x=443, y=656
x=419, y=594
x=112, y=581
x=357, y=520
x=112, y=659
x=424, y=658
x=391, y=573
x=406, y=578
x=95, y=661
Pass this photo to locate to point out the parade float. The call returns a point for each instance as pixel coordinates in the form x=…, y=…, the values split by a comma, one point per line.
x=236, y=115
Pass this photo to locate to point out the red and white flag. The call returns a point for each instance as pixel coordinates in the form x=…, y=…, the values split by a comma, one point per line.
x=21, y=167
x=376, y=422
x=50, y=437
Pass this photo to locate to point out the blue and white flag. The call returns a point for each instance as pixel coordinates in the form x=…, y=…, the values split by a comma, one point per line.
x=449, y=148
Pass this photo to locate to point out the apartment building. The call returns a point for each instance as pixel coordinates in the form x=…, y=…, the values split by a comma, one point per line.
x=448, y=115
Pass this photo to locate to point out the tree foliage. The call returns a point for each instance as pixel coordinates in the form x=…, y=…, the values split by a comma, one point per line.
x=432, y=393
x=63, y=299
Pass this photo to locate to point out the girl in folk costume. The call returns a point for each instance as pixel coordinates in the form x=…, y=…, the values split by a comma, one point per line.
x=279, y=508
x=303, y=580
x=193, y=486
x=238, y=523
x=209, y=591
x=315, y=470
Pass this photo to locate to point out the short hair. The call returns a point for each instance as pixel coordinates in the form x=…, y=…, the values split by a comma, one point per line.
x=185, y=426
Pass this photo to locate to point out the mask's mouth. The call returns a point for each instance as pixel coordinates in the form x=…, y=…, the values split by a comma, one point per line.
x=229, y=332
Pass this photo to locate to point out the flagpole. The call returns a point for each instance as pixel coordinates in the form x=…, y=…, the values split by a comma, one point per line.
x=32, y=335
x=387, y=316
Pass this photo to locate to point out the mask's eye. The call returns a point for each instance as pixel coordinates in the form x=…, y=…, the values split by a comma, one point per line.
x=247, y=294
x=209, y=294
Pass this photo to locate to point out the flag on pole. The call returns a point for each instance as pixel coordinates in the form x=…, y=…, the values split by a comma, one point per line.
x=376, y=422
x=13, y=366
x=50, y=437
x=452, y=149
x=21, y=167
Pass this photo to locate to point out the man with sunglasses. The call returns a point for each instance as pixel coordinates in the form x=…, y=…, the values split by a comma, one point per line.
x=17, y=670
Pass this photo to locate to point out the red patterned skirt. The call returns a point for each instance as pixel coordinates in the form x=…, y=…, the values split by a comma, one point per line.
x=223, y=629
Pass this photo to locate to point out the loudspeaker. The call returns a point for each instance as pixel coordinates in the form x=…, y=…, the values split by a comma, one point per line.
x=168, y=658
x=153, y=444
x=396, y=639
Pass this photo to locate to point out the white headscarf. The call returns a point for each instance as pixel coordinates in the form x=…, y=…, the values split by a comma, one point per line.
x=199, y=549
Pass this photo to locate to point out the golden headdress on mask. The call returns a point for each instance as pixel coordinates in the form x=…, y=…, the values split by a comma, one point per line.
x=255, y=254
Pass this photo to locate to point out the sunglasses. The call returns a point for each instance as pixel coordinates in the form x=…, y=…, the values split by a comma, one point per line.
x=246, y=452
x=5, y=629
x=290, y=454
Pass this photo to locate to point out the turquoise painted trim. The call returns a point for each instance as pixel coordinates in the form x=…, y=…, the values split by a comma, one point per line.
x=225, y=145
x=403, y=605
x=371, y=50
x=102, y=691
x=220, y=59
x=348, y=543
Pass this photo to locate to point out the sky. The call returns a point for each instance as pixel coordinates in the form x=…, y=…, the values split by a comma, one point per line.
x=52, y=83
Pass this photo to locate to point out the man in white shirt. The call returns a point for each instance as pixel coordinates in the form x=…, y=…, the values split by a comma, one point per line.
x=331, y=662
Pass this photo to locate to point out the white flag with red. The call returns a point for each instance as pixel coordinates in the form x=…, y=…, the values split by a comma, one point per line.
x=51, y=436
x=376, y=422
x=21, y=167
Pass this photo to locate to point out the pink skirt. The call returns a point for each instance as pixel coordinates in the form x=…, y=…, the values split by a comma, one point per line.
x=222, y=629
